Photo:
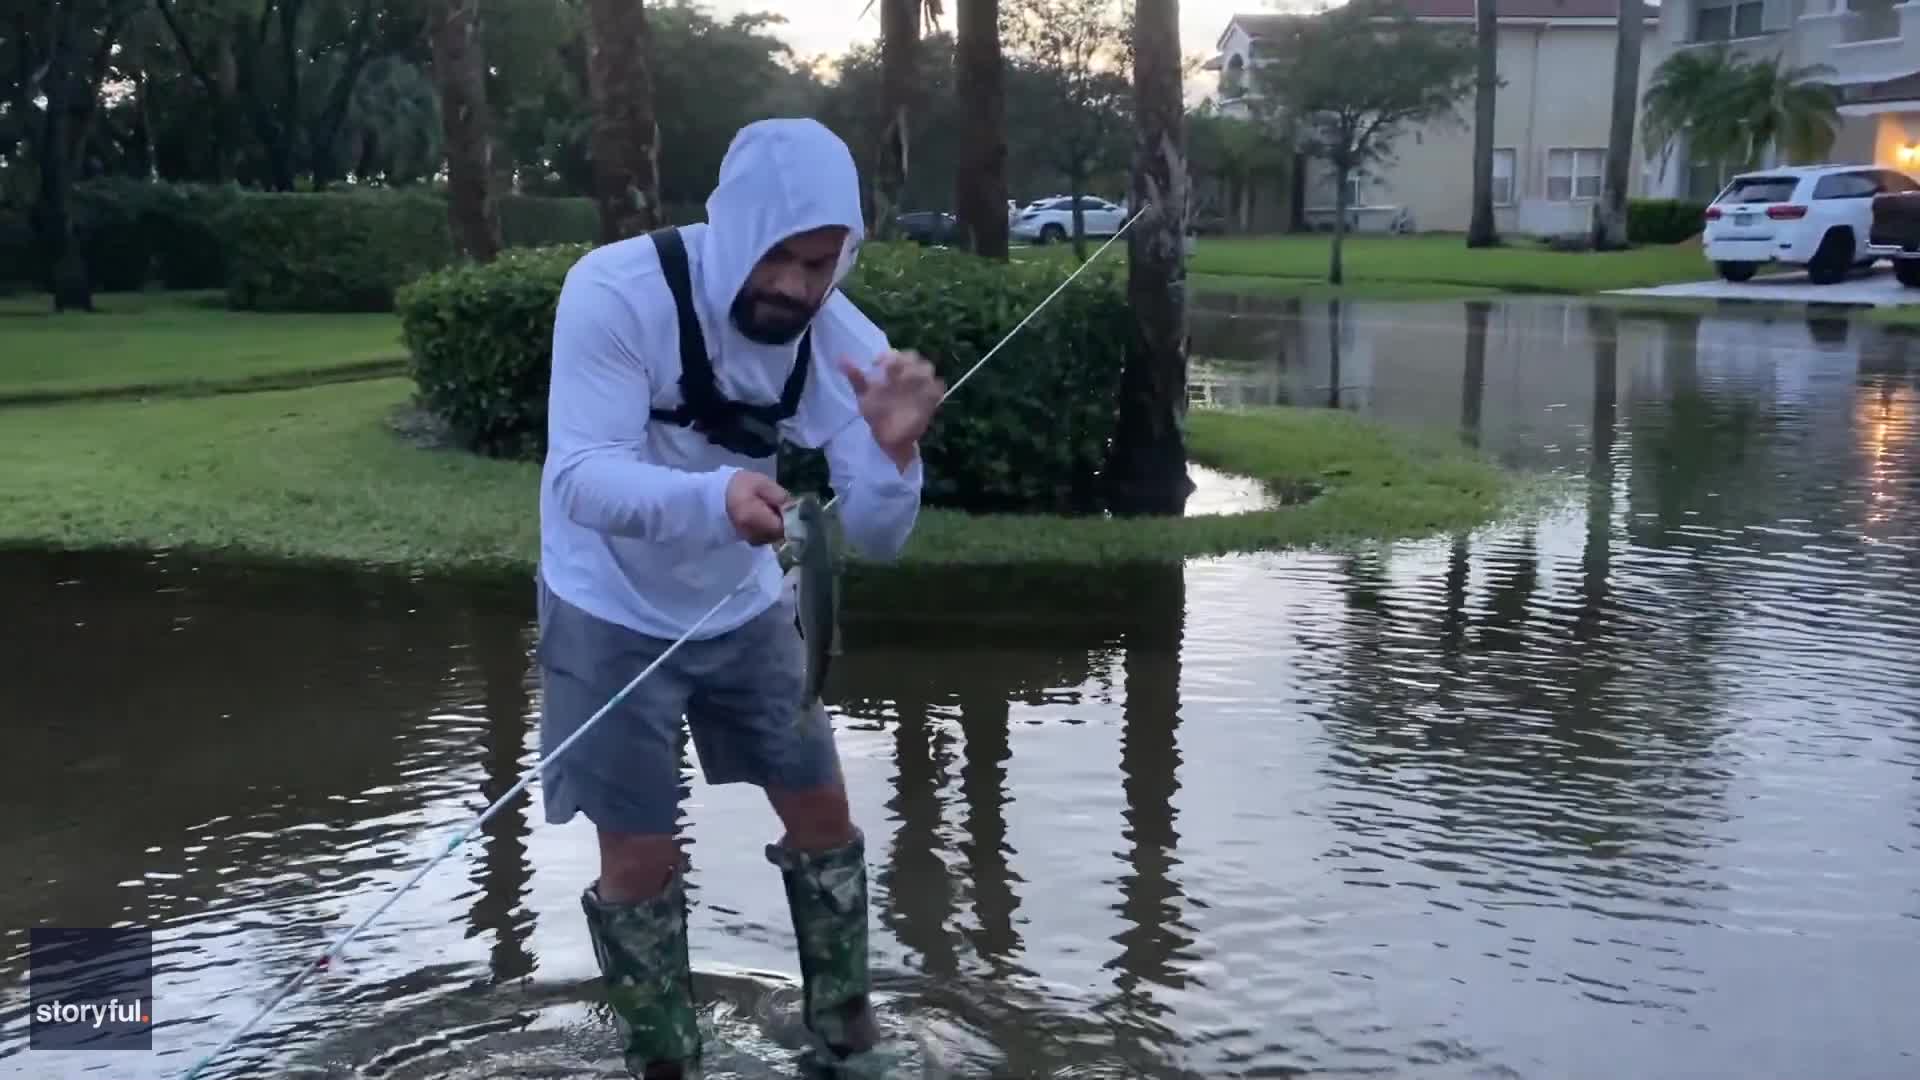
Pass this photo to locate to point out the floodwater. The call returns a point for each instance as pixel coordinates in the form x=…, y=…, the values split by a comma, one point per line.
x=1628, y=788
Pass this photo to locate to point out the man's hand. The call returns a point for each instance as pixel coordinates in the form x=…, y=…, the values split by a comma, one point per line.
x=754, y=504
x=898, y=401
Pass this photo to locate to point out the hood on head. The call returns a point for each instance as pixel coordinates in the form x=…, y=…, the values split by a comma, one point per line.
x=779, y=177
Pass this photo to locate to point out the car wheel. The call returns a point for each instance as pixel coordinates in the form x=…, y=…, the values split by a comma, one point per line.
x=1736, y=271
x=1907, y=271
x=1829, y=264
x=1052, y=234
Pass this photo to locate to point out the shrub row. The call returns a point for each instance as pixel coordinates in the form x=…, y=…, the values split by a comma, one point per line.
x=131, y=234
x=1663, y=221
x=1030, y=435
x=135, y=234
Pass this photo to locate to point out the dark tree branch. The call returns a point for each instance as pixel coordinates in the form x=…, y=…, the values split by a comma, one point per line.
x=187, y=53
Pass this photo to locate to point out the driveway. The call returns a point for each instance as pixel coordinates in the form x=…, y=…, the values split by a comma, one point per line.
x=1872, y=288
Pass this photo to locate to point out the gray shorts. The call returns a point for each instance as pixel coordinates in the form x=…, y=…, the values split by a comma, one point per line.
x=739, y=695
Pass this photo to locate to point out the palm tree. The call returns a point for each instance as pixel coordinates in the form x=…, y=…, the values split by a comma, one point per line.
x=980, y=186
x=461, y=72
x=1486, y=39
x=899, y=83
x=1147, y=461
x=1610, y=220
x=625, y=139
x=1726, y=111
x=1790, y=109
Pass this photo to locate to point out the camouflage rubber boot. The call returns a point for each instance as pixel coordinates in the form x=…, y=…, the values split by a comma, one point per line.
x=827, y=897
x=642, y=950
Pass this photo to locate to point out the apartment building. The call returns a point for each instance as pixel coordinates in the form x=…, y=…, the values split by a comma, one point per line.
x=1870, y=48
x=1551, y=119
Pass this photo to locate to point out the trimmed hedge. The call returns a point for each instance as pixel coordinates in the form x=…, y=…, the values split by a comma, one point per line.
x=135, y=234
x=330, y=251
x=1030, y=434
x=1663, y=221
x=131, y=233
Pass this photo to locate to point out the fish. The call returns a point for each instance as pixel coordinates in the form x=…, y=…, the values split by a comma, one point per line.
x=813, y=575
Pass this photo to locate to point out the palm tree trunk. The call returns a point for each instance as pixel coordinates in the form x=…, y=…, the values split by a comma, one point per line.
x=1335, y=272
x=1297, y=194
x=1480, y=231
x=460, y=70
x=899, y=74
x=1610, y=218
x=625, y=140
x=52, y=215
x=980, y=194
x=1147, y=465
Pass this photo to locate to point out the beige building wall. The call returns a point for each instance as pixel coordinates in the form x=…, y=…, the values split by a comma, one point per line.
x=1557, y=95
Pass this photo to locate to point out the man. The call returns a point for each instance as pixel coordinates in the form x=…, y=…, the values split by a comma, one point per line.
x=657, y=499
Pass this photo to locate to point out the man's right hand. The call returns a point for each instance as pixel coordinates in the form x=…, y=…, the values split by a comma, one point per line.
x=754, y=505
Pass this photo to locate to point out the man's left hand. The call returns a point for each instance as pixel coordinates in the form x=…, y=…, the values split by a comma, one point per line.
x=898, y=401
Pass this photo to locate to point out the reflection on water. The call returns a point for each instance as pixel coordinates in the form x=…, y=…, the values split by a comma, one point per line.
x=1631, y=788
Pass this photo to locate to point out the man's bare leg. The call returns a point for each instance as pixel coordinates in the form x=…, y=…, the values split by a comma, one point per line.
x=635, y=866
x=815, y=818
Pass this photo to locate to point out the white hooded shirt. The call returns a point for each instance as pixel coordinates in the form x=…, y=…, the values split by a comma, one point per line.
x=633, y=520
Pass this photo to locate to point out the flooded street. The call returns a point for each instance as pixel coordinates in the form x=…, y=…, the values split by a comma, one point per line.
x=1628, y=788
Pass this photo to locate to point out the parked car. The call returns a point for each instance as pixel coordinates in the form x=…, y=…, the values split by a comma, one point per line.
x=1048, y=221
x=1896, y=232
x=929, y=226
x=1816, y=216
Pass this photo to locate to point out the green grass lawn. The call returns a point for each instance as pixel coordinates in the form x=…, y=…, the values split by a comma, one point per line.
x=316, y=474
x=1420, y=267
x=1445, y=259
x=179, y=342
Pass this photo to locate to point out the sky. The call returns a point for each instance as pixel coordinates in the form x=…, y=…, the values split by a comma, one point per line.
x=830, y=26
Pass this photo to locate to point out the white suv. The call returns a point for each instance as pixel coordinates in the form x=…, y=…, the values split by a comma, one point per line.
x=1816, y=216
x=1048, y=221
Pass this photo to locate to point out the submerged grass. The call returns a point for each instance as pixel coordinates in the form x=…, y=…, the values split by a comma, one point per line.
x=1310, y=289
x=180, y=342
x=319, y=475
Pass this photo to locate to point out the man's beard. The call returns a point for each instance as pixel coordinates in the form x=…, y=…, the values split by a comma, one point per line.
x=779, y=326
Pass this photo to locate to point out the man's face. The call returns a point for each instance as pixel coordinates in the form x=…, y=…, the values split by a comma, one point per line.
x=788, y=285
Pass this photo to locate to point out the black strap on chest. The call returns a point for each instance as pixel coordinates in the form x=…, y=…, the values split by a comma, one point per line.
x=742, y=427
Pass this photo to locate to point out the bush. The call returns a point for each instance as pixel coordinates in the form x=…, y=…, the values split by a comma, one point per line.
x=1029, y=433
x=131, y=233
x=1663, y=221
x=479, y=340
x=545, y=220
x=330, y=251
x=135, y=233
x=18, y=265
x=182, y=224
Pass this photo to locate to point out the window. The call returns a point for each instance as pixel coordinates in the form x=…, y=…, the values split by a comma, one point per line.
x=1574, y=174
x=1723, y=21
x=1503, y=177
x=1356, y=185
x=1856, y=185
x=1233, y=81
x=1760, y=189
x=1896, y=181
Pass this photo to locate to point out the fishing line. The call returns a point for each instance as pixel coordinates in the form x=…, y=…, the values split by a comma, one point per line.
x=527, y=777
